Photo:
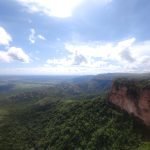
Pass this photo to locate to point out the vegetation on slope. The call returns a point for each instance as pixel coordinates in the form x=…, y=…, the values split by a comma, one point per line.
x=71, y=125
x=66, y=116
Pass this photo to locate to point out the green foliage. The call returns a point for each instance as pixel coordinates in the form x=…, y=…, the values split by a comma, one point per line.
x=67, y=116
x=69, y=125
x=144, y=146
x=135, y=83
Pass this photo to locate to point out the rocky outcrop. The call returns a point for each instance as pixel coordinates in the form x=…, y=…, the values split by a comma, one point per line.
x=131, y=97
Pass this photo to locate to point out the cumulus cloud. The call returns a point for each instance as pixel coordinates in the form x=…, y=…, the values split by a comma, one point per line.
x=127, y=56
x=5, y=37
x=57, y=8
x=79, y=59
x=14, y=53
x=33, y=36
x=98, y=57
x=67, y=61
x=100, y=49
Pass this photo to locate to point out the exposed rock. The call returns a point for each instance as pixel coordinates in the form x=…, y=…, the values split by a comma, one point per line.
x=132, y=98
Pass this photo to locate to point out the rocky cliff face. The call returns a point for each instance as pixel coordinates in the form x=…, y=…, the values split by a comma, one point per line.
x=132, y=98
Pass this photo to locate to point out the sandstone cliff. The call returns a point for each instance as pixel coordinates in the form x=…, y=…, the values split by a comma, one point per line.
x=133, y=97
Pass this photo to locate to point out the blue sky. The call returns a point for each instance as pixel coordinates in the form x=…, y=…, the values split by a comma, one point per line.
x=74, y=37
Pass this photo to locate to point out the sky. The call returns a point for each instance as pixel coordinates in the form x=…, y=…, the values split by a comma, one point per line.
x=74, y=37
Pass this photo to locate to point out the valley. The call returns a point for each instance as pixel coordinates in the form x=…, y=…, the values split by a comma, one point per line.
x=68, y=113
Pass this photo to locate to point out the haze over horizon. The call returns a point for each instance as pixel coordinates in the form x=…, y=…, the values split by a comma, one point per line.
x=74, y=37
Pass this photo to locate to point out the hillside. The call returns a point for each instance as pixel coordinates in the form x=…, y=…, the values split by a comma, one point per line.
x=68, y=125
x=68, y=115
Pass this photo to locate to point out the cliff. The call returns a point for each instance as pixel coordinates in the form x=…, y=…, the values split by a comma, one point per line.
x=132, y=96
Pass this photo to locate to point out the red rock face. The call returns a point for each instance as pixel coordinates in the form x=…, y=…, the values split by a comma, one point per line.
x=138, y=107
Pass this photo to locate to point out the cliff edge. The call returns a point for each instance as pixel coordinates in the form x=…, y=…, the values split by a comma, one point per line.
x=133, y=96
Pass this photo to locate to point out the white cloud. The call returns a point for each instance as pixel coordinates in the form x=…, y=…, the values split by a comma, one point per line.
x=79, y=59
x=14, y=53
x=4, y=57
x=98, y=57
x=41, y=37
x=5, y=37
x=127, y=56
x=99, y=49
x=68, y=61
x=95, y=58
x=33, y=36
x=58, y=62
x=57, y=8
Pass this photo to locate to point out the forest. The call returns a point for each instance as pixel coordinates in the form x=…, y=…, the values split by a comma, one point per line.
x=66, y=115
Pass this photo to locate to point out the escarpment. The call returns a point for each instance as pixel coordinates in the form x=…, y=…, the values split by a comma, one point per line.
x=132, y=96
